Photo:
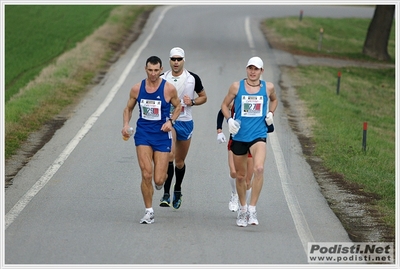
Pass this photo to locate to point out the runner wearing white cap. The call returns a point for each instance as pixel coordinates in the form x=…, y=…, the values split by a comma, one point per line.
x=254, y=99
x=187, y=84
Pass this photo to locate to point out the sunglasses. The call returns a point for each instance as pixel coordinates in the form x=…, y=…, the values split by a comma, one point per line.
x=176, y=59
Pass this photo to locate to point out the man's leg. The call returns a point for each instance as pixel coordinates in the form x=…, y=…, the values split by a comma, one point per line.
x=234, y=200
x=258, y=151
x=170, y=170
x=145, y=159
x=249, y=177
x=160, y=167
x=181, y=151
x=240, y=162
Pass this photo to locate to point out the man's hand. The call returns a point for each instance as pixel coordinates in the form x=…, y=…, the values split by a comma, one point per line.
x=234, y=126
x=221, y=138
x=269, y=119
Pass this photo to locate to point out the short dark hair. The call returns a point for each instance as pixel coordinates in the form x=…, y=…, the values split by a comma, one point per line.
x=154, y=60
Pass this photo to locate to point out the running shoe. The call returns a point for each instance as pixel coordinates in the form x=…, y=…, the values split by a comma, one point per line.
x=165, y=200
x=234, y=202
x=176, y=203
x=148, y=218
x=241, y=220
x=253, y=218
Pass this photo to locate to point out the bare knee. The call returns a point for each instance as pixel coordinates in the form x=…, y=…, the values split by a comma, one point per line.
x=258, y=169
x=160, y=180
x=147, y=176
x=240, y=177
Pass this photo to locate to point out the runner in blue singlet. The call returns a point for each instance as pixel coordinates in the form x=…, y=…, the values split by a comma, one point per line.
x=152, y=137
x=253, y=98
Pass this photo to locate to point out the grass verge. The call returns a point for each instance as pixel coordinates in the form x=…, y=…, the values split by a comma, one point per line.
x=338, y=39
x=66, y=78
x=32, y=42
x=365, y=95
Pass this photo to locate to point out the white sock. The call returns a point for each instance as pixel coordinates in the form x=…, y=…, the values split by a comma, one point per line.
x=233, y=183
x=150, y=209
x=243, y=208
x=248, y=194
x=252, y=208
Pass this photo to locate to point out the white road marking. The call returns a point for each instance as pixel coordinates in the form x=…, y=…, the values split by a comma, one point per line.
x=28, y=196
x=299, y=220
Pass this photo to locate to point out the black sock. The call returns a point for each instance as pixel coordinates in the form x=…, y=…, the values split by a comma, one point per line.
x=167, y=184
x=180, y=173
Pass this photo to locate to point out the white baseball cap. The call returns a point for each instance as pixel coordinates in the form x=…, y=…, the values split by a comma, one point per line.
x=256, y=61
x=177, y=51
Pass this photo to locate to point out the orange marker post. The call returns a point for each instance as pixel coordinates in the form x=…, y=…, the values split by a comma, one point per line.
x=339, y=75
x=364, y=141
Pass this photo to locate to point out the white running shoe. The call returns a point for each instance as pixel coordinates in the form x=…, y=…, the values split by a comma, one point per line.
x=253, y=218
x=234, y=202
x=148, y=218
x=241, y=220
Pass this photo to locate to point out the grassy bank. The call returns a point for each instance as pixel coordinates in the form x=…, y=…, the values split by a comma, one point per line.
x=365, y=95
x=58, y=62
x=337, y=38
x=32, y=42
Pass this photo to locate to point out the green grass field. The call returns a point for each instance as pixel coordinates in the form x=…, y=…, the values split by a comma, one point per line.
x=37, y=34
x=49, y=68
x=365, y=95
x=337, y=39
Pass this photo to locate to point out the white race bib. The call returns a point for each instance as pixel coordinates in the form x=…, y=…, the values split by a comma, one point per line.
x=151, y=109
x=252, y=106
x=183, y=110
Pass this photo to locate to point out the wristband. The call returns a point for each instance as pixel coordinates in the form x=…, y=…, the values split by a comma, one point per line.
x=228, y=119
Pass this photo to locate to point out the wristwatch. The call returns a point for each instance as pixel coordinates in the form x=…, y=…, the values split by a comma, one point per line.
x=193, y=102
x=172, y=121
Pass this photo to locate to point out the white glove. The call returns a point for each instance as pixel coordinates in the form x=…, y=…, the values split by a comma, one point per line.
x=269, y=119
x=234, y=126
x=221, y=138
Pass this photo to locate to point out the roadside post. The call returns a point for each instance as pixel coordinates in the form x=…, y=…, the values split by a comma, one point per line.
x=321, y=33
x=364, y=140
x=339, y=75
x=301, y=15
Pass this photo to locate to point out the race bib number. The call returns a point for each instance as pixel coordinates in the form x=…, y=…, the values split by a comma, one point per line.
x=183, y=110
x=252, y=106
x=151, y=109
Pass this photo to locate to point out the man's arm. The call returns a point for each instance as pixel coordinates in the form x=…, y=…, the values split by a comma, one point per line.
x=171, y=95
x=220, y=120
x=127, y=113
x=273, y=100
x=201, y=99
x=174, y=100
x=225, y=106
x=199, y=89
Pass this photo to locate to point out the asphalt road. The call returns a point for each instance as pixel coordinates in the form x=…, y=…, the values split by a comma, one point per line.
x=78, y=200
